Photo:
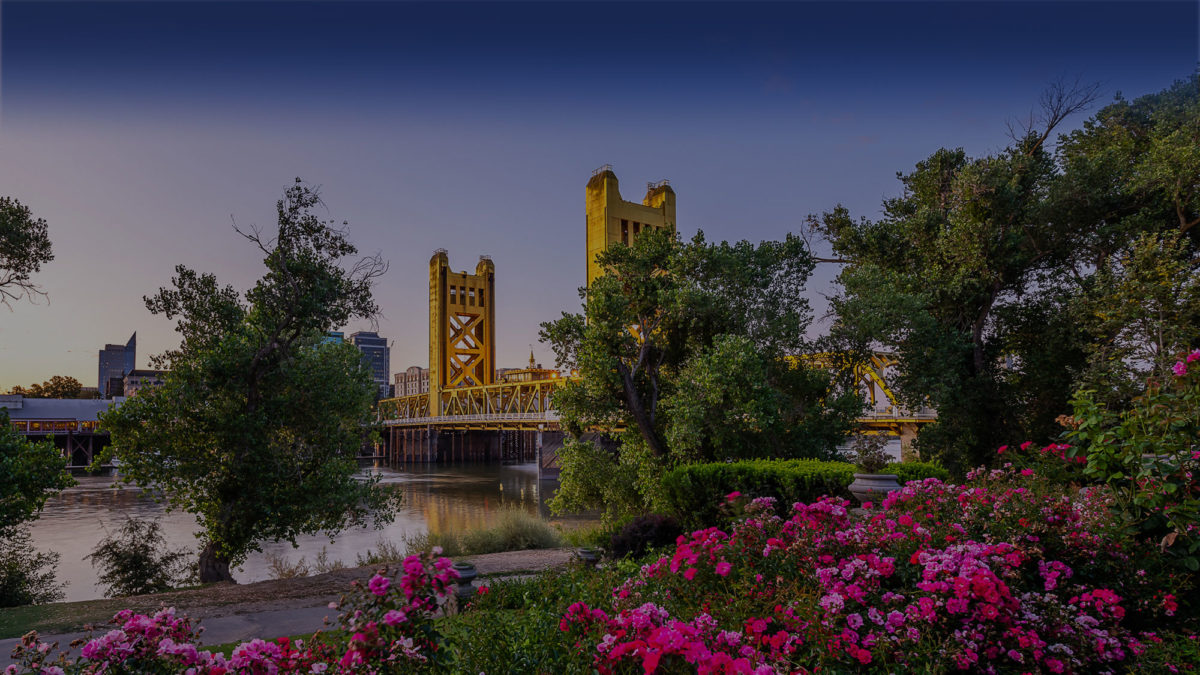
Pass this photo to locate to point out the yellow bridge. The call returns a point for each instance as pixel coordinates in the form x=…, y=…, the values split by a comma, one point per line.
x=474, y=412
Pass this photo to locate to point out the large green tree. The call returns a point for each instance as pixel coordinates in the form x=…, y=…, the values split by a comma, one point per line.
x=686, y=346
x=24, y=248
x=987, y=274
x=256, y=427
x=30, y=473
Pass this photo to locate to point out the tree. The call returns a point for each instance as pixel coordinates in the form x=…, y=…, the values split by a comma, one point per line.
x=33, y=472
x=24, y=247
x=56, y=387
x=256, y=426
x=986, y=273
x=136, y=560
x=686, y=347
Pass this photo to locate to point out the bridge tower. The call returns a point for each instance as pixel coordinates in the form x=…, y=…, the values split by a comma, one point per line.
x=611, y=219
x=462, y=327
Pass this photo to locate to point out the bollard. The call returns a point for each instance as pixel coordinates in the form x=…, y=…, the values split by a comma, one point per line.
x=466, y=574
x=589, y=556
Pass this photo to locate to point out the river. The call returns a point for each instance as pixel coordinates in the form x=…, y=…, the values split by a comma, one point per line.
x=438, y=499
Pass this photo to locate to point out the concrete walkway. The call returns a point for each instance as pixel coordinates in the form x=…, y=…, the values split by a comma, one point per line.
x=285, y=616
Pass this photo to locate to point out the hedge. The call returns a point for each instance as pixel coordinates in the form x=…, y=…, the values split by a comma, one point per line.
x=695, y=492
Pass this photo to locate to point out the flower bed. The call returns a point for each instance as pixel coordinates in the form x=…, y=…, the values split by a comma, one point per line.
x=1006, y=573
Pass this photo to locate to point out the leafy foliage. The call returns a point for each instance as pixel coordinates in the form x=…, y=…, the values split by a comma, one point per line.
x=257, y=425
x=643, y=534
x=32, y=472
x=56, y=387
x=26, y=574
x=696, y=493
x=135, y=560
x=1148, y=455
x=686, y=347
x=24, y=248
x=993, y=276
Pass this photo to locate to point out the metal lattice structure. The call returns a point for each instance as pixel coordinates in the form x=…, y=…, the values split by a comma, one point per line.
x=505, y=405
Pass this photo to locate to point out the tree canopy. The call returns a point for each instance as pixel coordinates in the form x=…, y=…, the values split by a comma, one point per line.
x=685, y=347
x=24, y=248
x=58, y=386
x=989, y=275
x=258, y=423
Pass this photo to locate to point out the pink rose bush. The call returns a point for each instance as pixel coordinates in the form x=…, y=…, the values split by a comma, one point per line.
x=385, y=628
x=938, y=575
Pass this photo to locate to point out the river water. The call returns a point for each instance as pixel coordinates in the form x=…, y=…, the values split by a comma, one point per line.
x=438, y=499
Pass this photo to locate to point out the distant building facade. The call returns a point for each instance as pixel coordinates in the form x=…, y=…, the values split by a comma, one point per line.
x=334, y=337
x=141, y=379
x=377, y=356
x=115, y=362
x=413, y=381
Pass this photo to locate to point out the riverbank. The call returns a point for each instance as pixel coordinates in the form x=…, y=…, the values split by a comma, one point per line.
x=236, y=606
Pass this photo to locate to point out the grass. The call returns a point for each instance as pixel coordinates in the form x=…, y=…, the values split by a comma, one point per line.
x=514, y=530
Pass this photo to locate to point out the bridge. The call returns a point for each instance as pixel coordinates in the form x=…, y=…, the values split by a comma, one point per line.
x=474, y=412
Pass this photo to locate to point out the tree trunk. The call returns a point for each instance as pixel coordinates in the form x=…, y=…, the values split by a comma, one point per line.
x=213, y=566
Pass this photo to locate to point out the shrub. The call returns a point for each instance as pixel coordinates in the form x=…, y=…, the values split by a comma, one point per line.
x=282, y=567
x=1149, y=457
x=643, y=534
x=906, y=471
x=136, y=560
x=384, y=552
x=26, y=575
x=695, y=492
x=514, y=530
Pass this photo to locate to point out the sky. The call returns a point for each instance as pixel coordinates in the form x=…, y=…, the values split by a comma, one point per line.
x=141, y=131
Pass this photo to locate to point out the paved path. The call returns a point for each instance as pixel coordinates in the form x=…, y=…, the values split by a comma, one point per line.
x=285, y=616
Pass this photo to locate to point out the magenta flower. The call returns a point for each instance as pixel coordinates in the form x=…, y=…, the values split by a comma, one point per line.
x=723, y=568
x=1193, y=356
x=1180, y=368
x=379, y=584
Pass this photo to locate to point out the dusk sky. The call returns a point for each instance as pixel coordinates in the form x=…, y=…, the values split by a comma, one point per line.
x=140, y=130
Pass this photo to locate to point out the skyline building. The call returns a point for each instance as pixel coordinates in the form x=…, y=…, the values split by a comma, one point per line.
x=114, y=362
x=377, y=356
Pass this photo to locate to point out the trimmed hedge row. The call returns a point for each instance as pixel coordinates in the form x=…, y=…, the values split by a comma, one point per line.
x=695, y=492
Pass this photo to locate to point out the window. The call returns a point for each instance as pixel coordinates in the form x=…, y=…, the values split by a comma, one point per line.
x=625, y=232
x=481, y=297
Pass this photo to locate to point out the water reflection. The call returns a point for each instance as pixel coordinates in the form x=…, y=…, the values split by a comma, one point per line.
x=435, y=498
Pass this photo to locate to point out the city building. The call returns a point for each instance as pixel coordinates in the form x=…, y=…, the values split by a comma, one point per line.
x=413, y=381
x=377, y=356
x=115, y=362
x=72, y=425
x=611, y=219
x=334, y=337
x=140, y=379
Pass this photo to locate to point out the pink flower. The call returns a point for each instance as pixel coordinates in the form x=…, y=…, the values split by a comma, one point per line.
x=723, y=568
x=394, y=617
x=379, y=584
x=1180, y=368
x=689, y=573
x=732, y=496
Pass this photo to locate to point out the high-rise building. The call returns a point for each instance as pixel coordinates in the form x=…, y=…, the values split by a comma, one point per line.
x=377, y=356
x=611, y=219
x=115, y=362
x=334, y=337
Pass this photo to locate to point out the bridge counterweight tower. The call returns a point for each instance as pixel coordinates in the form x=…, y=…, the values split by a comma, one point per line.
x=462, y=327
